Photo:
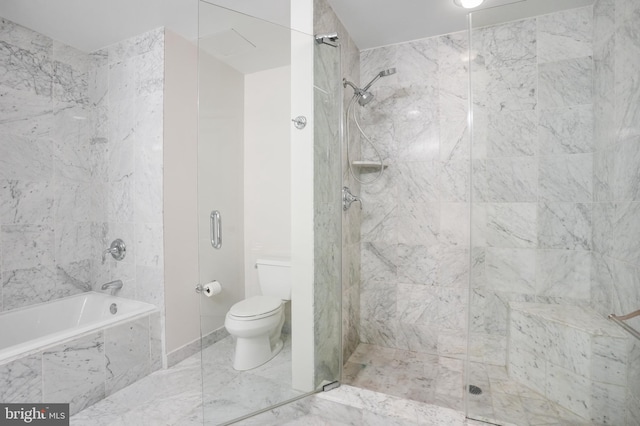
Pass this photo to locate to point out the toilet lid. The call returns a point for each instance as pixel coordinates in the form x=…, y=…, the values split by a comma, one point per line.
x=256, y=305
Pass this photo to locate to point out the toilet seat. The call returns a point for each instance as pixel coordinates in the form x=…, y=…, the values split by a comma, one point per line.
x=255, y=308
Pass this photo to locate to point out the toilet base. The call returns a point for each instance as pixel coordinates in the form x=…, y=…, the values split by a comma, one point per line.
x=252, y=353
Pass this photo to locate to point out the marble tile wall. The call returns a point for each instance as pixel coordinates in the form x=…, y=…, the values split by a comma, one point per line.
x=85, y=370
x=552, y=348
x=615, y=277
x=415, y=232
x=126, y=94
x=80, y=165
x=532, y=170
x=533, y=184
x=47, y=182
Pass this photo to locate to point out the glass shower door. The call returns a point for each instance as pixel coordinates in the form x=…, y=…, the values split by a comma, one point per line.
x=263, y=195
x=327, y=96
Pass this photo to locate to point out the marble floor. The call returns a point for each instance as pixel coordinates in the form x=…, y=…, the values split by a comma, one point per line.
x=174, y=396
x=352, y=406
x=439, y=380
x=382, y=386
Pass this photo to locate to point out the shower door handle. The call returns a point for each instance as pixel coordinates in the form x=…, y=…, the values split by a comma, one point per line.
x=216, y=229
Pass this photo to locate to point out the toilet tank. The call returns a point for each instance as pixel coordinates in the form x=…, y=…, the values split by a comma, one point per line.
x=274, y=277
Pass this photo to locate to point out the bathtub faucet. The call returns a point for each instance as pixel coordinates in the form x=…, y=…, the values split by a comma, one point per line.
x=113, y=285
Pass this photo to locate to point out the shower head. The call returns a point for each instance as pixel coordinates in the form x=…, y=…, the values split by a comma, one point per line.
x=383, y=73
x=387, y=72
x=364, y=96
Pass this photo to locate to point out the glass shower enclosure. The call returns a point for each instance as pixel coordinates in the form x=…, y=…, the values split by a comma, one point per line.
x=554, y=215
x=268, y=189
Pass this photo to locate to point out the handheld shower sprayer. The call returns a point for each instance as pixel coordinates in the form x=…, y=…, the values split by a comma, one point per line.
x=363, y=96
x=383, y=73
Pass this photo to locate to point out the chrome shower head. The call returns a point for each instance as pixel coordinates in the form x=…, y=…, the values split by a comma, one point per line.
x=363, y=95
x=365, y=98
x=387, y=72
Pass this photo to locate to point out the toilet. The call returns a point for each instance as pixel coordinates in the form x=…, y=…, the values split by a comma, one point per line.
x=256, y=322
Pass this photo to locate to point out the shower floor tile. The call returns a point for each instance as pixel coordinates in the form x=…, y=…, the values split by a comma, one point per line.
x=439, y=380
x=411, y=375
x=348, y=405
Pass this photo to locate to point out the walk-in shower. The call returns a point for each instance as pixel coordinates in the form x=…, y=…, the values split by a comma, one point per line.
x=363, y=97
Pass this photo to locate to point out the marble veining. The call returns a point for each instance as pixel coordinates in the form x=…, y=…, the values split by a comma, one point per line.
x=512, y=134
x=511, y=225
x=565, y=83
x=75, y=372
x=564, y=273
x=21, y=380
x=567, y=178
x=565, y=226
x=63, y=173
x=566, y=34
x=566, y=130
x=506, y=45
x=127, y=354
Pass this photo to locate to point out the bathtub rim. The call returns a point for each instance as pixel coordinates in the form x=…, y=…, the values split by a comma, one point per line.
x=10, y=354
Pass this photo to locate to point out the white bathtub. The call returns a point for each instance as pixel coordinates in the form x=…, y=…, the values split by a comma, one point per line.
x=32, y=328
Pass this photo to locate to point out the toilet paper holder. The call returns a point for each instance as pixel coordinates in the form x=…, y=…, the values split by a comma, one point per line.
x=209, y=289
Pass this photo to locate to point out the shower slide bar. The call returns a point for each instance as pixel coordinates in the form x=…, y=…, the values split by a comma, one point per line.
x=620, y=321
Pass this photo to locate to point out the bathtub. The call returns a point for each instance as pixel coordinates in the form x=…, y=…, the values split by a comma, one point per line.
x=79, y=349
x=32, y=328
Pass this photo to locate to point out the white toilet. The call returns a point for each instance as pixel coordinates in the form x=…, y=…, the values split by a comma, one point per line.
x=256, y=322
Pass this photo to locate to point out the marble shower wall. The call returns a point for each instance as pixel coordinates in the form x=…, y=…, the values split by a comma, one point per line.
x=126, y=83
x=80, y=165
x=615, y=279
x=415, y=218
x=326, y=21
x=532, y=170
x=532, y=183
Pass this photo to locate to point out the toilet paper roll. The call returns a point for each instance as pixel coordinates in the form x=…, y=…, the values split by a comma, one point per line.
x=212, y=288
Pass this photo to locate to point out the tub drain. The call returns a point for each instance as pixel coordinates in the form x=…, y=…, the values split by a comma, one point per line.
x=475, y=390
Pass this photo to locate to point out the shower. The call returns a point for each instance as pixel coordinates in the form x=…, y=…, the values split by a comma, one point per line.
x=363, y=97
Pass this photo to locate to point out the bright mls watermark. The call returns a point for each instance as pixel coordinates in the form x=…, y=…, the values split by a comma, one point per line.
x=34, y=414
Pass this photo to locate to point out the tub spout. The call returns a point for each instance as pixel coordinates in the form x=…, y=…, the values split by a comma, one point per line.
x=112, y=285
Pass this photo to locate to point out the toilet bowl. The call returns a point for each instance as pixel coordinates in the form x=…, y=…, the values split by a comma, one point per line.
x=256, y=323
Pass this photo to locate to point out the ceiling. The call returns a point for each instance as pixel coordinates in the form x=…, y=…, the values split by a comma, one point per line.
x=245, y=43
x=375, y=23
x=92, y=24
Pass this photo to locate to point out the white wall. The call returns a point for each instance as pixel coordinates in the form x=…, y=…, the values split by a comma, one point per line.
x=220, y=184
x=267, y=176
x=180, y=191
x=302, y=327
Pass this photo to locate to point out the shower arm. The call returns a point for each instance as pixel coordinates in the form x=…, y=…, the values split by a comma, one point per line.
x=355, y=88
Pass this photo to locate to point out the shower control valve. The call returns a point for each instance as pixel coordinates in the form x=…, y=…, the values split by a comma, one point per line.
x=117, y=250
x=300, y=122
x=348, y=198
